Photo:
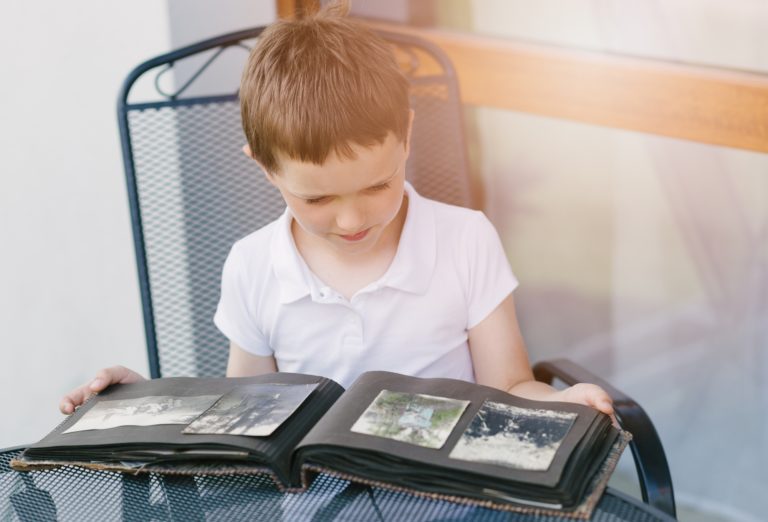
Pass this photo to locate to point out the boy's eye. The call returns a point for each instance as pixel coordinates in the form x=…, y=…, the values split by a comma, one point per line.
x=323, y=199
x=383, y=186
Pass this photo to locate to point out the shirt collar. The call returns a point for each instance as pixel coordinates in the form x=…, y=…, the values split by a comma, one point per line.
x=290, y=269
x=411, y=269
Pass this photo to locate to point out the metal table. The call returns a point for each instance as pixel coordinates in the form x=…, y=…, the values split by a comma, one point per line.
x=81, y=495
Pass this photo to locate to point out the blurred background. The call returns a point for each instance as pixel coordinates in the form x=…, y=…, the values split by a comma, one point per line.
x=641, y=257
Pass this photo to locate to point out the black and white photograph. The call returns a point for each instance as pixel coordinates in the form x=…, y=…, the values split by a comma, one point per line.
x=423, y=420
x=256, y=410
x=144, y=411
x=519, y=438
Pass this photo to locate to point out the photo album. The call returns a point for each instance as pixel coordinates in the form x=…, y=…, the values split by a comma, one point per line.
x=439, y=438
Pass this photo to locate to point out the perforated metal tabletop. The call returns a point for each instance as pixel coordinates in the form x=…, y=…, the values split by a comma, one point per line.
x=74, y=494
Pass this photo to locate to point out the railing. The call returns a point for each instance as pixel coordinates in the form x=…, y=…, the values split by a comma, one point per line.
x=707, y=105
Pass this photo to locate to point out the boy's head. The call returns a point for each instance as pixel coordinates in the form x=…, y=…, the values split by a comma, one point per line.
x=320, y=85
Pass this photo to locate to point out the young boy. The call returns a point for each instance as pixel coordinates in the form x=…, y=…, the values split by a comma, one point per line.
x=360, y=273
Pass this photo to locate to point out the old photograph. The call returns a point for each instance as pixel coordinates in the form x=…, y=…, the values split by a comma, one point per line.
x=423, y=420
x=144, y=411
x=256, y=410
x=519, y=438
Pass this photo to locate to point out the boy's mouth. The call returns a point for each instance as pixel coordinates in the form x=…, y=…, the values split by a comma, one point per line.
x=355, y=237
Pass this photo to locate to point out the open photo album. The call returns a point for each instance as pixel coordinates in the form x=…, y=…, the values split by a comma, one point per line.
x=439, y=438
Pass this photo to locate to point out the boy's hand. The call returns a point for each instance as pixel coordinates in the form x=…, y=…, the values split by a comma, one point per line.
x=104, y=378
x=588, y=395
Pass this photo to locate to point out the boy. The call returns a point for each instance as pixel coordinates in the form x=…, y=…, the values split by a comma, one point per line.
x=360, y=273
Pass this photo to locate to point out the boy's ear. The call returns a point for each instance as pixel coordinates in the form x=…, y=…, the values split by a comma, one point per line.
x=247, y=152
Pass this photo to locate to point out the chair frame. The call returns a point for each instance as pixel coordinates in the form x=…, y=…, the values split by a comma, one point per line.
x=123, y=106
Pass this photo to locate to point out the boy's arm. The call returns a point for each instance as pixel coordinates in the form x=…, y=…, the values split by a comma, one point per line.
x=500, y=360
x=244, y=364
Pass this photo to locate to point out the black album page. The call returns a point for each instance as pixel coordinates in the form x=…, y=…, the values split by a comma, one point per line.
x=257, y=419
x=464, y=429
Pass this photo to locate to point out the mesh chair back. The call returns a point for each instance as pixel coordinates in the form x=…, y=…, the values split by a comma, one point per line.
x=193, y=193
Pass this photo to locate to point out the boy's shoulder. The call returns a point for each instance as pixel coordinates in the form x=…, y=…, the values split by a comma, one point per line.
x=257, y=246
x=453, y=233
x=452, y=212
x=452, y=219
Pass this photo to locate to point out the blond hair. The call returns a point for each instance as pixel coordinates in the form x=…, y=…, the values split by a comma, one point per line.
x=318, y=85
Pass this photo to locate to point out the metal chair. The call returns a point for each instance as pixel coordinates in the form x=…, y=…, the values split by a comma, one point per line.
x=193, y=194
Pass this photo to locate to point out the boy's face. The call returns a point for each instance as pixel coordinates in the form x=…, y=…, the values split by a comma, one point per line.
x=349, y=205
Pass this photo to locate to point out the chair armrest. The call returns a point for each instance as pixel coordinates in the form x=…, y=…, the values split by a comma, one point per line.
x=648, y=453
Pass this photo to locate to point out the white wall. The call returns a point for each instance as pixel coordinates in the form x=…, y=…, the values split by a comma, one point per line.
x=69, y=301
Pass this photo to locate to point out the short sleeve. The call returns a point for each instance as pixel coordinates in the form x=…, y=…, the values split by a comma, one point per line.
x=490, y=278
x=235, y=316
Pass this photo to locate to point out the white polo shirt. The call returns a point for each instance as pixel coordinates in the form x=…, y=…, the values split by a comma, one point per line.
x=450, y=271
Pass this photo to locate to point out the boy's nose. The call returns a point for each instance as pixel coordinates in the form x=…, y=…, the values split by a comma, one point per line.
x=350, y=218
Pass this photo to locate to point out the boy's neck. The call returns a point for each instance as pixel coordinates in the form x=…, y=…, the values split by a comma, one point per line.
x=347, y=273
